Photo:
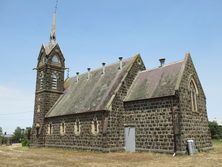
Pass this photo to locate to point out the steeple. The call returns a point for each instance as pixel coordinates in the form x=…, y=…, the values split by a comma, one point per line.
x=49, y=82
x=53, y=30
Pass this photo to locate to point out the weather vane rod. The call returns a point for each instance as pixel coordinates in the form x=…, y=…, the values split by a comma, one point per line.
x=56, y=5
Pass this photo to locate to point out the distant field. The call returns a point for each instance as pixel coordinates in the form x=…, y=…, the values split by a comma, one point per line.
x=16, y=156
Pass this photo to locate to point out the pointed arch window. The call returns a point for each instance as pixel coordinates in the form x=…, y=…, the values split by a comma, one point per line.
x=41, y=79
x=54, y=77
x=38, y=108
x=62, y=128
x=77, y=127
x=193, y=94
x=95, y=126
x=50, y=129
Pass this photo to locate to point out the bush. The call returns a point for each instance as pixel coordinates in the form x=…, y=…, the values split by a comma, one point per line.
x=215, y=130
x=25, y=143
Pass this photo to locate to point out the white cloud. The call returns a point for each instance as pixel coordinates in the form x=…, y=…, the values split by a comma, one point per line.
x=16, y=108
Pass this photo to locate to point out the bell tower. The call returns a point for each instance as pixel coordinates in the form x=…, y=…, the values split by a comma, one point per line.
x=49, y=83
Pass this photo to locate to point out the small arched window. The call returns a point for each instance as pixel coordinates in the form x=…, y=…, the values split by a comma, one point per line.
x=193, y=94
x=62, y=128
x=77, y=127
x=50, y=129
x=41, y=79
x=54, y=80
x=38, y=108
x=95, y=126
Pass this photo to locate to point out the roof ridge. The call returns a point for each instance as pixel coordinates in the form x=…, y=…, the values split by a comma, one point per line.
x=169, y=64
x=108, y=65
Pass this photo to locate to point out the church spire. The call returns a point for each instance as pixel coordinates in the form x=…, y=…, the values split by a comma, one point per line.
x=53, y=30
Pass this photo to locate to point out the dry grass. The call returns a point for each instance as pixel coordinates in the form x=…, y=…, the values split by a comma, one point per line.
x=16, y=156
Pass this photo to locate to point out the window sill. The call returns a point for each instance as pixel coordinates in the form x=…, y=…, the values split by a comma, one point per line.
x=196, y=112
x=95, y=133
x=77, y=134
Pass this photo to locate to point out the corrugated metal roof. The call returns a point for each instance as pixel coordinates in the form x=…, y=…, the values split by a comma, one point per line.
x=158, y=82
x=8, y=135
x=93, y=94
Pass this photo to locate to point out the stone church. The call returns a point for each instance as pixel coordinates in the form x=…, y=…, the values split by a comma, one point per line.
x=119, y=107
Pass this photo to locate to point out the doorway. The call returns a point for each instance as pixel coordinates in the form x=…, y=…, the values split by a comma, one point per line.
x=130, y=144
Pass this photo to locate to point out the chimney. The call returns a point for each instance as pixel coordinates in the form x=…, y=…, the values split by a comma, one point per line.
x=162, y=61
x=77, y=76
x=120, y=63
x=88, y=73
x=104, y=68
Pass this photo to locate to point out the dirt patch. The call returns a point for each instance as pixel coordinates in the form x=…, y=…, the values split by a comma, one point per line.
x=17, y=156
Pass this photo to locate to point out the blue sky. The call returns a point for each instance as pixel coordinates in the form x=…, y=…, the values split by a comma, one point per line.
x=90, y=32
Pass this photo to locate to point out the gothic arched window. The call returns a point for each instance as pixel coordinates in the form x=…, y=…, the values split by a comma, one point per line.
x=38, y=108
x=95, y=126
x=50, y=129
x=62, y=128
x=41, y=76
x=77, y=127
x=54, y=80
x=193, y=94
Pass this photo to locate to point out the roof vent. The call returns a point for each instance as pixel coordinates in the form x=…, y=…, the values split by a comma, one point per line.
x=77, y=76
x=104, y=68
x=162, y=62
x=88, y=73
x=120, y=63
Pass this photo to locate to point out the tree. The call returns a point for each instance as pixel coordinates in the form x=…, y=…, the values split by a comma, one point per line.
x=27, y=133
x=27, y=137
x=1, y=131
x=1, y=136
x=18, y=135
x=215, y=130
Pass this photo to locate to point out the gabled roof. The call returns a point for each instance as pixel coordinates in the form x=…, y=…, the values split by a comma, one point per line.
x=154, y=83
x=94, y=94
x=49, y=47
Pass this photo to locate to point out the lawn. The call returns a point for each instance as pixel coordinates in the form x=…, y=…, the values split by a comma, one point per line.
x=17, y=156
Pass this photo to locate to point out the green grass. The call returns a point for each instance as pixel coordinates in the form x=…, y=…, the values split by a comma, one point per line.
x=217, y=141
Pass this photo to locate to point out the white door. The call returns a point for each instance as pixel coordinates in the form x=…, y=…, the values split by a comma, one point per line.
x=130, y=145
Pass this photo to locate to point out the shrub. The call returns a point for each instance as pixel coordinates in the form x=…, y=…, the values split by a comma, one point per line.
x=216, y=130
x=25, y=143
